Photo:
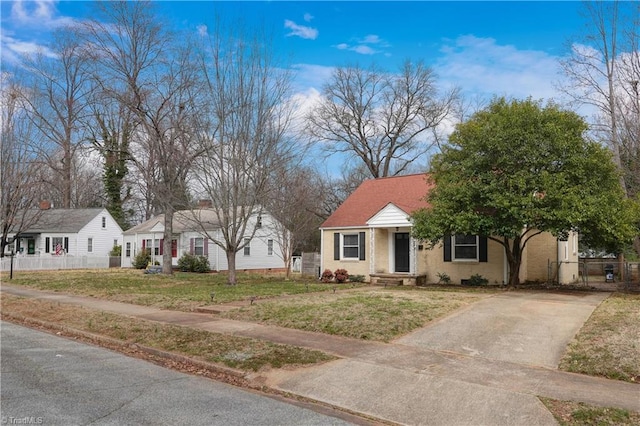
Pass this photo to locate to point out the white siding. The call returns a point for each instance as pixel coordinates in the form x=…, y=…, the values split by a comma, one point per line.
x=389, y=216
x=102, y=237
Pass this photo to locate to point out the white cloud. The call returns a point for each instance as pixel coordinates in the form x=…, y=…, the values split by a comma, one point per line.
x=300, y=30
x=308, y=76
x=13, y=49
x=40, y=14
x=308, y=17
x=482, y=67
x=364, y=50
x=365, y=46
x=202, y=30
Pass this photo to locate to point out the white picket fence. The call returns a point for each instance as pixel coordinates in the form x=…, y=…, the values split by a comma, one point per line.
x=34, y=263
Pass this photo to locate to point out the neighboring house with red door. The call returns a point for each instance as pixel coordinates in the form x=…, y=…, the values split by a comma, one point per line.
x=262, y=252
x=68, y=232
x=370, y=235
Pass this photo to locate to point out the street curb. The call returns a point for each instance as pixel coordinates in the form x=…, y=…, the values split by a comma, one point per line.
x=116, y=343
x=224, y=374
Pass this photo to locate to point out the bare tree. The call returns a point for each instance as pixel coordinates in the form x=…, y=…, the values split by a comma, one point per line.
x=244, y=141
x=382, y=119
x=18, y=166
x=160, y=80
x=57, y=105
x=603, y=72
x=294, y=200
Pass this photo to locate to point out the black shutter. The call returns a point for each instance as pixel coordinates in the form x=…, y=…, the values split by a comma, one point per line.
x=46, y=245
x=361, y=248
x=336, y=246
x=447, y=248
x=66, y=244
x=482, y=249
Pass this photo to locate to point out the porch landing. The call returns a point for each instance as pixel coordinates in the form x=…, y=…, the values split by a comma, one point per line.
x=397, y=279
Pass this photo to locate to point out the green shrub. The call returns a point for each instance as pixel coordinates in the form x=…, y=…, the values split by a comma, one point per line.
x=356, y=278
x=191, y=263
x=116, y=251
x=443, y=278
x=478, y=279
x=341, y=275
x=142, y=259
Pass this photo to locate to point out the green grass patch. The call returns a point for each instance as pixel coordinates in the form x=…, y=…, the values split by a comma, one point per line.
x=233, y=351
x=608, y=345
x=372, y=314
x=180, y=291
x=570, y=413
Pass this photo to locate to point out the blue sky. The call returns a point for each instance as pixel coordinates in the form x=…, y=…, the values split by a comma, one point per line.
x=506, y=48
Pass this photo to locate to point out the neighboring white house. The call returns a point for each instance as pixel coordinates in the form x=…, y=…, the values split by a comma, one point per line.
x=71, y=232
x=263, y=251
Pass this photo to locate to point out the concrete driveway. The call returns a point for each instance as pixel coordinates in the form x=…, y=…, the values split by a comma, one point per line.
x=526, y=328
x=478, y=366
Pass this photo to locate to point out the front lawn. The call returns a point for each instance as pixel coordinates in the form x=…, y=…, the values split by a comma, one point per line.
x=375, y=314
x=180, y=291
x=608, y=345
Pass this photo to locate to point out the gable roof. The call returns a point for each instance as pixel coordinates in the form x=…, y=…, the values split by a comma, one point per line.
x=62, y=220
x=183, y=220
x=406, y=192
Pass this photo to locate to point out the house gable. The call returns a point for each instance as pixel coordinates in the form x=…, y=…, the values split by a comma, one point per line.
x=389, y=216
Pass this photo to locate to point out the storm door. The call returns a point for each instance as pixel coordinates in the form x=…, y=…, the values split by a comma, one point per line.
x=402, y=251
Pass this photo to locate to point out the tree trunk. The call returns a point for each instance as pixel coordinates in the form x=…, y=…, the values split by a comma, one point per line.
x=167, y=267
x=231, y=266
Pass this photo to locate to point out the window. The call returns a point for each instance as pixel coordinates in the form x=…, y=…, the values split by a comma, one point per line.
x=89, y=245
x=465, y=247
x=56, y=245
x=350, y=246
x=247, y=247
x=154, y=246
x=269, y=247
x=104, y=222
x=115, y=243
x=127, y=251
x=198, y=246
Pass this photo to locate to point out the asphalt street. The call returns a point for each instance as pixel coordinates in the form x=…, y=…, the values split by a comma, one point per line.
x=51, y=380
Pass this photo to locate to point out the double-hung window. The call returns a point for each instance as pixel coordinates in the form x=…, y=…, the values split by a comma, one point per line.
x=89, y=245
x=350, y=246
x=465, y=247
x=247, y=247
x=198, y=246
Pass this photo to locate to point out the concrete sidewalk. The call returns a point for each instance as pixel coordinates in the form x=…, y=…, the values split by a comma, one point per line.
x=411, y=381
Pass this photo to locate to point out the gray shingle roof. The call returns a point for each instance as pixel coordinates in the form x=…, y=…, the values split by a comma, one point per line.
x=183, y=220
x=62, y=220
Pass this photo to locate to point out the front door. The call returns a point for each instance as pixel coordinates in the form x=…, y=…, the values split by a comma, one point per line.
x=402, y=251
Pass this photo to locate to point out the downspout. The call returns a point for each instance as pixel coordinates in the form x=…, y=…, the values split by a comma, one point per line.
x=321, y=251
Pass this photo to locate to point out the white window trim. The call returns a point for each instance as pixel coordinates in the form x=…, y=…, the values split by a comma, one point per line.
x=90, y=245
x=270, y=247
x=464, y=259
x=246, y=250
x=200, y=246
x=342, y=246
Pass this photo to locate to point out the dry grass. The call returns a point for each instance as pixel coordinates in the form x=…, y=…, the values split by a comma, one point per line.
x=180, y=291
x=378, y=314
x=608, y=345
x=569, y=413
x=232, y=351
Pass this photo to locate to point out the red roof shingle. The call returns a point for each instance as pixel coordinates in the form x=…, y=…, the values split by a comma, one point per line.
x=406, y=192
